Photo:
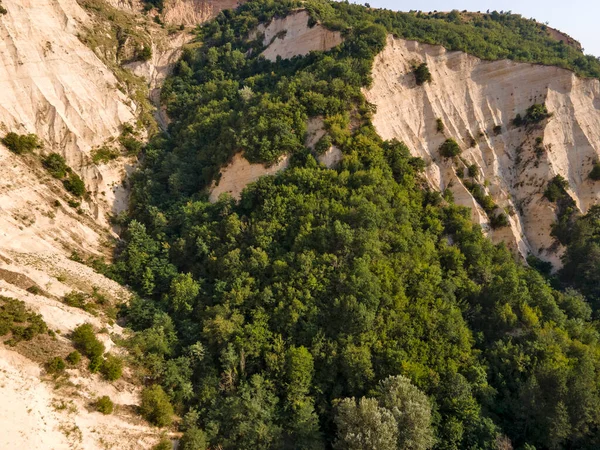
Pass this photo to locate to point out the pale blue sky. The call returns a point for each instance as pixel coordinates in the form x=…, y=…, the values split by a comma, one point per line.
x=578, y=18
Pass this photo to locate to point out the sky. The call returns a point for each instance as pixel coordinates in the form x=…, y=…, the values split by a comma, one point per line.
x=577, y=18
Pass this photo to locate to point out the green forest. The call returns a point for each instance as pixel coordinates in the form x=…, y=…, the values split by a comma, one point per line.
x=347, y=308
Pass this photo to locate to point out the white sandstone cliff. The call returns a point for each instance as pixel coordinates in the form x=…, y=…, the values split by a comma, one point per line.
x=472, y=97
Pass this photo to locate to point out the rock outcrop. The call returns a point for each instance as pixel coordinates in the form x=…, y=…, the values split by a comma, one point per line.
x=239, y=173
x=476, y=101
x=54, y=86
x=292, y=35
x=194, y=12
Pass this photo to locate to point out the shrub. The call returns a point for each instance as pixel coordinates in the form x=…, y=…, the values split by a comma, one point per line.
x=439, y=125
x=21, y=143
x=472, y=169
x=556, y=188
x=194, y=439
x=144, y=53
x=104, y=155
x=56, y=365
x=422, y=74
x=595, y=173
x=35, y=290
x=165, y=444
x=535, y=114
x=104, y=405
x=56, y=165
x=450, y=148
x=112, y=367
x=499, y=221
x=323, y=145
x=78, y=300
x=75, y=185
x=131, y=145
x=86, y=341
x=497, y=130
x=74, y=358
x=16, y=319
x=155, y=406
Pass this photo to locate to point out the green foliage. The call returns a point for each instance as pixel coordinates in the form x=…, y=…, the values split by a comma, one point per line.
x=56, y=365
x=58, y=168
x=323, y=145
x=149, y=4
x=73, y=358
x=164, y=444
x=104, y=154
x=75, y=185
x=132, y=146
x=422, y=75
x=318, y=284
x=193, y=439
x=85, y=340
x=439, y=125
x=144, y=53
x=556, y=189
x=112, y=367
x=21, y=143
x=364, y=425
x=104, y=405
x=582, y=258
x=595, y=173
x=19, y=322
x=56, y=165
x=499, y=220
x=535, y=114
x=411, y=410
x=450, y=148
x=79, y=300
x=543, y=267
x=155, y=406
x=473, y=171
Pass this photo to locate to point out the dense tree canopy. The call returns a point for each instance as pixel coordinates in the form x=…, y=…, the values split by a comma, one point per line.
x=325, y=298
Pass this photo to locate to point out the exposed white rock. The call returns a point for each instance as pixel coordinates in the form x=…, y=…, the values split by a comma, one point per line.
x=292, y=36
x=239, y=173
x=315, y=130
x=193, y=12
x=471, y=97
x=331, y=157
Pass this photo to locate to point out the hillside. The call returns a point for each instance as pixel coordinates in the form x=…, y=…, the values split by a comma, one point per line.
x=341, y=295
x=61, y=69
x=513, y=164
x=302, y=225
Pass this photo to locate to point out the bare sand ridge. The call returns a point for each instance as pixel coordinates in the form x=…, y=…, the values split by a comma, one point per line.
x=472, y=97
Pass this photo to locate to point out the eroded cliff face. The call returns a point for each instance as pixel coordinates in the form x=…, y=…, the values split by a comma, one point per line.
x=193, y=12
x=292, y=35
x=54, y=86
x=182, y=12
x=473, y=98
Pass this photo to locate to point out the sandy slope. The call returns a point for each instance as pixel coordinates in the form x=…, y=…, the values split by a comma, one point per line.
x=472, y=96
x=34, y=415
